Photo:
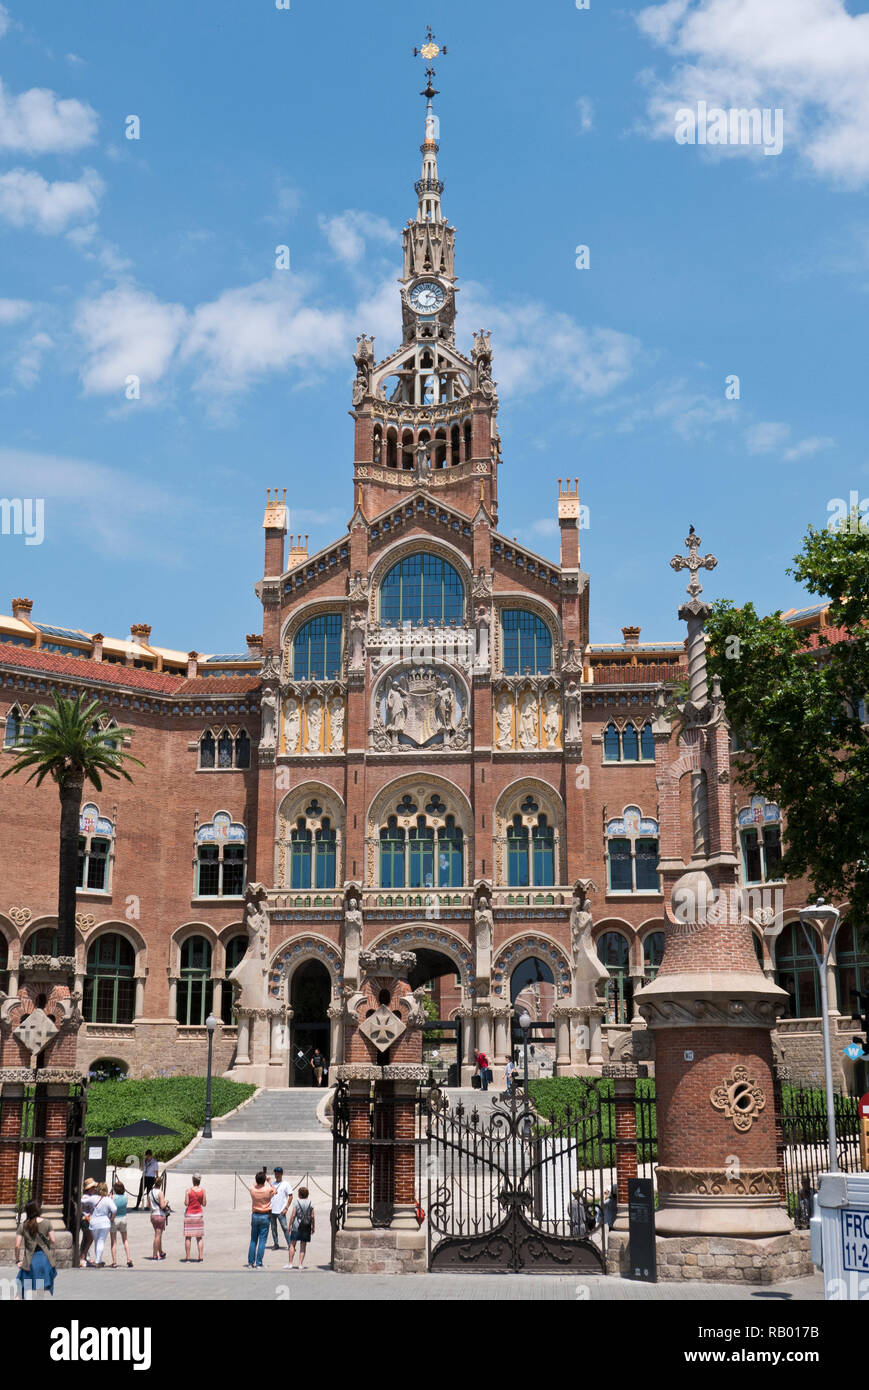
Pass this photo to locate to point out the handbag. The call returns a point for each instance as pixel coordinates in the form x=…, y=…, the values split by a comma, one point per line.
x=489, y=1077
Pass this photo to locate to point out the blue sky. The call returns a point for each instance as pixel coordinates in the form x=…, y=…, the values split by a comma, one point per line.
x=260, y=127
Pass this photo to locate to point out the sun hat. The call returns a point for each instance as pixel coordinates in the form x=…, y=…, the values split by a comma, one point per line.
x=88, y=1184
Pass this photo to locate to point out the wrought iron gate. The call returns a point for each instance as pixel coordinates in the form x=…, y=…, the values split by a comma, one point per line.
x=507, y=1191
x=39, y=1132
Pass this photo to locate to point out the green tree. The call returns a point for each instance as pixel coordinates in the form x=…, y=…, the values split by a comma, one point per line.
x=796, y=705
x=68, y=745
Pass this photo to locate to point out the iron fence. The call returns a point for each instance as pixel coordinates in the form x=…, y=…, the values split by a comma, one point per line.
x=30, y=1126
x=804, y=1146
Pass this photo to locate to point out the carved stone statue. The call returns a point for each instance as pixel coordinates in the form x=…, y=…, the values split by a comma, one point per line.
x=504, y=720
x=357, y=641
x=572, y=714
x=314, y=711
x=588, y=971
x=445, y=705
x=352, y=939
x=482, y=615
x=550, y=718
x=396, y=709
x=528, y=720
x=292, y=725
x=336, y=724
x=251, y=973
x=268, y=711
x=483, y=931
x=364, y=359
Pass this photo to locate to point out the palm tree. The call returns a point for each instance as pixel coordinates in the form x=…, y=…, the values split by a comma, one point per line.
x=69, y=746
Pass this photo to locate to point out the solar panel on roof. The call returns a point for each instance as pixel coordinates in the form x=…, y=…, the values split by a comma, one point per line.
x=61, y=631
x=242, y=657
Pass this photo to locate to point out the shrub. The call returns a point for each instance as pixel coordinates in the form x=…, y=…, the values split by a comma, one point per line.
x=176, y=1101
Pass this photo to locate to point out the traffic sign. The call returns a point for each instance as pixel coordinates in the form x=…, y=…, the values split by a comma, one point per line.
x=854, y=1051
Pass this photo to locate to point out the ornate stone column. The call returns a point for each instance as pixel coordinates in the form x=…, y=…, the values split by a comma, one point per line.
x=336, y=1014
x=503, y=1015
x=710, y=1009
x=564, y=1016
x=242, y=1045
x=467, y=1013
x=484, y=1027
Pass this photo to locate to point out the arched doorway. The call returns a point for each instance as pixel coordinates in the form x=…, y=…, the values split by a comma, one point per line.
x=441, y=1039
x=533, y=989
x=310, y=996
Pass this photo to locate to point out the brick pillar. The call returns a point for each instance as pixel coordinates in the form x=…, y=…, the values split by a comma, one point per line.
x=11, y=1113
x=359, y=1158
x=404, y=1109
x=50, y=1189
x=626, y=1143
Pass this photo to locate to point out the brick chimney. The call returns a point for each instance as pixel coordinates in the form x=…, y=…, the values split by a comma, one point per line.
x=568, y=522
x=255, y=645
x=631, y=636
x=298, y=550
x=97, y=651
x=141, y=633
x=192, y=665
x=21, y=609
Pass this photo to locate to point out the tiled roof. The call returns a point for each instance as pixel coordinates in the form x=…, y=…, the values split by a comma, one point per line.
x=216, y=688
x=80, y=669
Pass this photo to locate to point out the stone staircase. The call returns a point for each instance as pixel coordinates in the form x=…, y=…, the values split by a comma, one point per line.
x=276, y=1127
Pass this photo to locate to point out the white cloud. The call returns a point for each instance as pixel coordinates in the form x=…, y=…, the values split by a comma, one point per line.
x=261, y=328
x=13, y=310
x=38, y=122
x=74, y=60
x=29, y=200
x=537, y=347
x=809, y=57
x=4, y=20
x=766, y=436
x=28, y=361
x=127, y=332
x=585, y=112
x=808, y=447
x=348, y=232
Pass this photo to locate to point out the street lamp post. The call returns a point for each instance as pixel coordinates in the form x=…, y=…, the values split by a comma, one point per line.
x=210, y=1023
x=823, y=915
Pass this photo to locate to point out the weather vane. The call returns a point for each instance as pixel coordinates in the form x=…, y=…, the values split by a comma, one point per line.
x=429, y=50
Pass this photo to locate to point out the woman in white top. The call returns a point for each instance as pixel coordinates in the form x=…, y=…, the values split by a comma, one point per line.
x=159, y=1209
x=102, y=1214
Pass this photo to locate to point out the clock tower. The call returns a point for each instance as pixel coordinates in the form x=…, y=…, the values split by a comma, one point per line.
x=426, y=415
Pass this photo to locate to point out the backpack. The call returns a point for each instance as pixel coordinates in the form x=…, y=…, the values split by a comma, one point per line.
x=304, y=1209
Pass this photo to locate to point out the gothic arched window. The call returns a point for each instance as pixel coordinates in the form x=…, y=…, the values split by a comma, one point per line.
x=317, y=649
x=19, y=729
x=796, y=972
x=109, y=987
x=194, y=982
x=647, y=744
x=630, y=744
x=653, y=954
x=422, y=588
x=760, y=839
x=94, y=849
x=517, y=853
x=392, y=854
x=207, y=749
x=527, y=644
x=543, y=853
x=450, y=854
x=428, y=854
x=613, y=951
x=632, y=853
x=612, y=748
x=235, y=950
x=220, y=858
x=242, y=749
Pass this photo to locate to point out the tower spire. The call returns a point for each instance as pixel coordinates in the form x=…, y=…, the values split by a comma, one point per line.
x=429, y=186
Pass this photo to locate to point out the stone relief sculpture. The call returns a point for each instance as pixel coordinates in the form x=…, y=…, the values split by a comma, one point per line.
x=528, y=720
x=396, y=709
x=445, y=705
x=422, y=707
x=292, y=725
x=550, y=718
x=504, y=721
x=314, y=712
x=336, y=724
x=251, y=973
x=268, y=712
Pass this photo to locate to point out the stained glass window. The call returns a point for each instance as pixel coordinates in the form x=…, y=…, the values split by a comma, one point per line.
x=422, y=588
x=527, y=643
x=317, y=649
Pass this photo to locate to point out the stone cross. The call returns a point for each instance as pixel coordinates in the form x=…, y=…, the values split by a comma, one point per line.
x=35, y=1032
x=693, y=562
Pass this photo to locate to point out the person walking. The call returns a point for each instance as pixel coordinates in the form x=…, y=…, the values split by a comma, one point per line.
x=34, y=1253
x=119, y=1223
x=150, y=1173
x=88, y=1198
x=481, y=1062
x=160, y=1210
x=102, y=1216
x=301, y=1227
x=261, y=1195
x=280, y=1205
x=510, y=1074
x=318, y=1064
x=194, y=1218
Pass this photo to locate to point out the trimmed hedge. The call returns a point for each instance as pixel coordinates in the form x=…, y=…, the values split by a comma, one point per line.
x=554, y=1097
x=175, y=1101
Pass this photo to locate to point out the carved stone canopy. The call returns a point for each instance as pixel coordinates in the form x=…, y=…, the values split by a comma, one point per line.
x=387, y=965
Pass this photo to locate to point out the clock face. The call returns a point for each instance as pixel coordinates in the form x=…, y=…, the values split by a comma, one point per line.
x=427, y=297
